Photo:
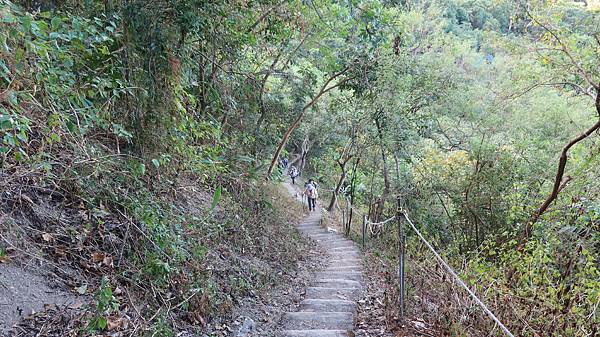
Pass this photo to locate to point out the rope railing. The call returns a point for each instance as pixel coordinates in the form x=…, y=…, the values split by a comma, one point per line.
x=457, y=278
x=381, y=223
x=370, y=226
x=402, y=216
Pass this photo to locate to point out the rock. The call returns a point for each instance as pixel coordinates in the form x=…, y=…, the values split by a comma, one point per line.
x=419, y=325
x=246, y=328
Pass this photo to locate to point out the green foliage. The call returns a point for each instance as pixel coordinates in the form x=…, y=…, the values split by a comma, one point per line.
x=161, y=328
x=117, y=105
x=216, y=197
x=105, y=305
x=65, y=64
x=455, y=124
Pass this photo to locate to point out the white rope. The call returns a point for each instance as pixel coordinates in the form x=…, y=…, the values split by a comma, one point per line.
x=380, y=223
x=459, y=281
x=376, y=227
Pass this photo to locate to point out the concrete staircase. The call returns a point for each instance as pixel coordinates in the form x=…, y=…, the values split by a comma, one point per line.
x=329, y=307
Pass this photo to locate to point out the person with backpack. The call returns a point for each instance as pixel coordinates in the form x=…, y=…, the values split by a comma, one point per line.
x=310, y=190
x=293, y=174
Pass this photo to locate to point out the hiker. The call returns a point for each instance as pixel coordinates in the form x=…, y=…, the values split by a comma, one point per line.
x=283, y=163
x=310, y=181
x=310, y=190
x=293, y=174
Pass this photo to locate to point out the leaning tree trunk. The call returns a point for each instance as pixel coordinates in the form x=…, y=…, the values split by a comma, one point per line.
x=324, y=89
x=338, y=187
x=559, y=181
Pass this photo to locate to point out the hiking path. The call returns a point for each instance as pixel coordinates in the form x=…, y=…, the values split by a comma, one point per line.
x=329, y=305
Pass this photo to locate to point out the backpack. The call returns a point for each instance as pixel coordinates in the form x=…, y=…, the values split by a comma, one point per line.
x=311, y=191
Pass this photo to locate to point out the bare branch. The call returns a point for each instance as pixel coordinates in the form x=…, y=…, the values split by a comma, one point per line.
x=264, y=16
x=565, y=50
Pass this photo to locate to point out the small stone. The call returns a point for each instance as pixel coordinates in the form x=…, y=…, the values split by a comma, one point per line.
x=246, y=328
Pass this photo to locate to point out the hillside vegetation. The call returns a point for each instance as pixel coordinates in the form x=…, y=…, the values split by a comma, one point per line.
x=141, y=141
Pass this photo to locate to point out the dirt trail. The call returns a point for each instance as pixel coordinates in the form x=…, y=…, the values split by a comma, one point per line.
x=329, y=305
x=23, y=292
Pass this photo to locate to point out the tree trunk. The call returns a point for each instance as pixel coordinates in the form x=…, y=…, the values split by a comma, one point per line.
x=338, y=187
x=261, y=101
x=386, y=180
x=283, y=141
x=559, y=182
x=336, y=191
x=352, y=188
x=305, y=148
x=370, y=211
x=324, y=89
x=261, y=90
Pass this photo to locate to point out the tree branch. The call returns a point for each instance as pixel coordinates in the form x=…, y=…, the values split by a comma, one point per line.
x=559, y=184
x=565, y=50
x=324, y=89
x=264, y=16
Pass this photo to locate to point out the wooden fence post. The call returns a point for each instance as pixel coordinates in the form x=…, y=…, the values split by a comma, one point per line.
x=401, y=219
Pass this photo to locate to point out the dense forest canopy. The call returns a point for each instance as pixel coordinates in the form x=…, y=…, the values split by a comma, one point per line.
x=480, y=116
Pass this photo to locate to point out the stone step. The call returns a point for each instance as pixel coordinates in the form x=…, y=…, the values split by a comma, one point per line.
x=309, y=226
x=330, y=243
x=340, y=275
x=327, y=305
x=318, y=320
x=312, y=218
x=327, y=238
x=345, y=249
x=342, y=254
x=315, y=333
x=335, y=256
x=337, y=283
x=331, y=293
x=345, y=261
x=349, y=268
x=331, y=235
x=314, y=230
x=344, y=266
x=335, y=242
x=338, y=246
